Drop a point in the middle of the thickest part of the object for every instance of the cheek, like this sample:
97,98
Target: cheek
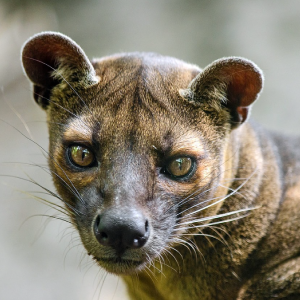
79,180
197,198
76,178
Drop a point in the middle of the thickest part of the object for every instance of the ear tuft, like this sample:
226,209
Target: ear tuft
51,57
233,83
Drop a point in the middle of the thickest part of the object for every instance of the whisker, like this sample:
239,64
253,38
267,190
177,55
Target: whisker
18,115
65,184
102,284
49,171
50,204
189,197
151,274
184,243
214,229
223,198
197,204
205,235
173,256
218,216
72,209
231,189
115,292
50,157
47,216
220,222
161,264
183,201
152,264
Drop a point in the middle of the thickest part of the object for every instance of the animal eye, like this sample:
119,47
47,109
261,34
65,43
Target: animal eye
180,167
81,156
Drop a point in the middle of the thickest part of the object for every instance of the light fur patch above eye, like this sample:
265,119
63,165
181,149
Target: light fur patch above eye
78,130
189,144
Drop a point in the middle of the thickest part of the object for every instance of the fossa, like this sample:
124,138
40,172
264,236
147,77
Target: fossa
163,176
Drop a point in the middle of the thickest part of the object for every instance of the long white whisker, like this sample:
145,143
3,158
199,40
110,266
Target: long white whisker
205,235
224,198
218,216
47,190
189,197
215,223
50,156
48,171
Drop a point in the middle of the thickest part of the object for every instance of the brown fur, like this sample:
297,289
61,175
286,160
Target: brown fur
229,230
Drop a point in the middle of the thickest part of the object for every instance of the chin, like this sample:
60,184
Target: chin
120,266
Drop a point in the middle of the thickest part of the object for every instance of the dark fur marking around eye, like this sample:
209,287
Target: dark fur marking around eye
95,136
167,142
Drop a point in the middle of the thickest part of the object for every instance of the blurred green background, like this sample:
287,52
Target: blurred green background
44,260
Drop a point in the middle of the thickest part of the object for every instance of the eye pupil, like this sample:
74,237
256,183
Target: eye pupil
84,154
81,156
180,167
179,161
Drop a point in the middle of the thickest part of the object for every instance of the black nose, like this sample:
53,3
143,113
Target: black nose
121,230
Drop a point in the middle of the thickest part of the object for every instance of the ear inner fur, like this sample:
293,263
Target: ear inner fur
234,83
49,58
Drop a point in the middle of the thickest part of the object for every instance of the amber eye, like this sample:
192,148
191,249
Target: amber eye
81,156
180,167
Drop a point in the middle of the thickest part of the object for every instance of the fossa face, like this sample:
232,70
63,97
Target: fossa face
138,144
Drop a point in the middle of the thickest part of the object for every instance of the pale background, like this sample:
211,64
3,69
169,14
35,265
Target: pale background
46,261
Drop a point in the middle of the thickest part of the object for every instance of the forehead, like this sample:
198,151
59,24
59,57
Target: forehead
149,67
162,133
137,102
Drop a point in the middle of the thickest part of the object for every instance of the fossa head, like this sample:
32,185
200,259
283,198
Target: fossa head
138,143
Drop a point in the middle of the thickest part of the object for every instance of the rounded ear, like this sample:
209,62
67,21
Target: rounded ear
49,58
233,83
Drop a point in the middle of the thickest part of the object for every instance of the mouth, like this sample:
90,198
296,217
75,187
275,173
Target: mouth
118,265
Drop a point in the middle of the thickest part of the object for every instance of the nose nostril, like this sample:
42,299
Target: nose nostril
103,236
100,232
97,222
146,226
